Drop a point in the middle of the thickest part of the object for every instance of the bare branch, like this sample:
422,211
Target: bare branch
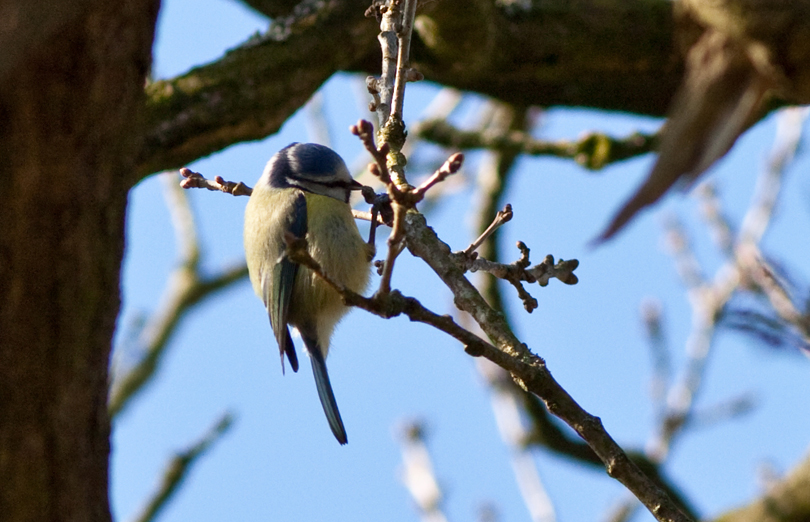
530,371
507,409
179,468
745,268
382,88
679,245
732,408
512,355
652,318
196,180
248,93
395,247
251,90
502,217
364,130
396,25
404,72
237,188
185,288
366,216
418,475
448,168
401,198
789,131
759,272
719,224
504,392
519,271
593,151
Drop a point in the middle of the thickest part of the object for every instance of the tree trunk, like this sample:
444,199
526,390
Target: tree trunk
69,108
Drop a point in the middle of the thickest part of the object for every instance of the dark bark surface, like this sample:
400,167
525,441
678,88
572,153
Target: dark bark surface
77,131
67,106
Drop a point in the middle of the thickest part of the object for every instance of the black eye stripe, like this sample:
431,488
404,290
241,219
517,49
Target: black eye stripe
336,183
293,180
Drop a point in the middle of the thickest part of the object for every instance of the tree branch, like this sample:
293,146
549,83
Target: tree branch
418,475
185,288
579,57
531,372
593,151
253,89
179,468
512,355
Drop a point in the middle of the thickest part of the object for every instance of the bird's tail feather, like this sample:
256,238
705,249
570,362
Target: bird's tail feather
288,348
325,393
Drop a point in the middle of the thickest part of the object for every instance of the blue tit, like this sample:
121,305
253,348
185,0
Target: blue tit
304,191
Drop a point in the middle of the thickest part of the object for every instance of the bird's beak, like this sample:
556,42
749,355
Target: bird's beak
356,185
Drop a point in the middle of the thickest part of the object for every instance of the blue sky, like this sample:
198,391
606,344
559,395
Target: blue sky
280,462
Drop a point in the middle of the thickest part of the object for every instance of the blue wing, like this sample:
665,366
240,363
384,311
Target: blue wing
283,277
325,393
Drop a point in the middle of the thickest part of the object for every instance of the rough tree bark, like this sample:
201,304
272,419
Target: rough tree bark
617,56
76,132
68,101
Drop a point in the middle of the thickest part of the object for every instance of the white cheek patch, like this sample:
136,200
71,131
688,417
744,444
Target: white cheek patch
292,159
268,171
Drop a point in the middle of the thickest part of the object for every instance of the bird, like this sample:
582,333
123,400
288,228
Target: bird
740,54
304,192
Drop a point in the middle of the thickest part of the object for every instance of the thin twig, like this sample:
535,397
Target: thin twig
652,318
365,131
400,199
760,273
197,180
185,288
448,168
593,151
732,408
502,217
395,247
179,468
507,410
418,475
540,273
396,25
512,355
404,72
382,88
530,370
789,130
719,224
745,267
366,216
506,396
